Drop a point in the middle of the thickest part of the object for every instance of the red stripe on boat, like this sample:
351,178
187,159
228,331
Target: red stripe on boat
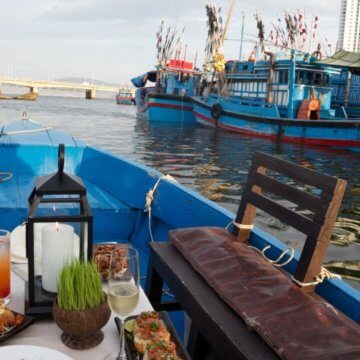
205,118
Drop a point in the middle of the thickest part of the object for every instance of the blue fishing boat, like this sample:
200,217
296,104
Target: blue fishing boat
176,81
282,96
170,100
134,204
285,98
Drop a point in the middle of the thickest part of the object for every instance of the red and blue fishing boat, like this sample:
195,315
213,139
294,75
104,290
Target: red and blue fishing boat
284,98
176,82
281,96
138,206
170,99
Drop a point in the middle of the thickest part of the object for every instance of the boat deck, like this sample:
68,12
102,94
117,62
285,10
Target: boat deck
106,207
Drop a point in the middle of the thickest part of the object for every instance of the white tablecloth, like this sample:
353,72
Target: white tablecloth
46,333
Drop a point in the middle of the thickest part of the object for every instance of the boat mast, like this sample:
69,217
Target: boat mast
242,36
290,112
227,22
311,34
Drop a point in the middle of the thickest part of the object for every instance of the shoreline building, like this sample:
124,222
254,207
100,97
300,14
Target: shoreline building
349,28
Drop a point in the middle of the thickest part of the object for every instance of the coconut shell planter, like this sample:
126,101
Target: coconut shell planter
81,308
82,328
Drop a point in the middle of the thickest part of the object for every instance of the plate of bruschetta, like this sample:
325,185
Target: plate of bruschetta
151,336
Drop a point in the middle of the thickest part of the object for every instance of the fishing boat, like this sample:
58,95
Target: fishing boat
282,96
170,99
125,97
176,81
282,99
132,203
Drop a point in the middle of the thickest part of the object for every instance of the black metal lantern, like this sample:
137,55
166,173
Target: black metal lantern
60,223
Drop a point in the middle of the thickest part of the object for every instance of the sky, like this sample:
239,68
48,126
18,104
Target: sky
114,40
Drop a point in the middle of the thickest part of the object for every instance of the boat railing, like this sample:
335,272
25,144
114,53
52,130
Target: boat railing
251,102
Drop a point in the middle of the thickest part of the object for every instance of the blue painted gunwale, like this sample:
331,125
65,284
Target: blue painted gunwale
127,182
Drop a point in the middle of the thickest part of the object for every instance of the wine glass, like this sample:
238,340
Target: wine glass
123,288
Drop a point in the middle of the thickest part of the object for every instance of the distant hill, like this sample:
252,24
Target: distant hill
90,81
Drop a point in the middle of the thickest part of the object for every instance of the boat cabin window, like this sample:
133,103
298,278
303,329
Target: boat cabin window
311,78
283,77
300,77
318,78
326,80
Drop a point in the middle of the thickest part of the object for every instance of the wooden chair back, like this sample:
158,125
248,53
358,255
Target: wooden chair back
324,207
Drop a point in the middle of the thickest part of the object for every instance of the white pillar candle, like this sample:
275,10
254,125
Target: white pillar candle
57,248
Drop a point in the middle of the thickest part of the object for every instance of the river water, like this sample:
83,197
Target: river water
212,162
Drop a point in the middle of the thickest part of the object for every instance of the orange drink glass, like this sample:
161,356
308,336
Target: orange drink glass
5,266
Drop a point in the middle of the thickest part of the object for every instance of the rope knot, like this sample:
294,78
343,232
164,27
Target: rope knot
150,198
323,275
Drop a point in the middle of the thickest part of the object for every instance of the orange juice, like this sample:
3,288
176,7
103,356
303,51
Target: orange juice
4,266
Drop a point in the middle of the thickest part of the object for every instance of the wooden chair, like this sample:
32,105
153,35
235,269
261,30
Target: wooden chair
220,281
324,207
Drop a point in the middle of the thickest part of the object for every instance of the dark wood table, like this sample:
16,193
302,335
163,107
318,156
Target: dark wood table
216,330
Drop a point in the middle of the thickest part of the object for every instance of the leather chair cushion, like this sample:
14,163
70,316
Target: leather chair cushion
295,324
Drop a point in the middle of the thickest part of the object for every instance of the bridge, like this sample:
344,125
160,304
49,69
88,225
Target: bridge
34,85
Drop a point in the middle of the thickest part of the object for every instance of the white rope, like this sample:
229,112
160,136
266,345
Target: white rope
262,252
150,197
239,226
275,262
8,176
25,131
324,274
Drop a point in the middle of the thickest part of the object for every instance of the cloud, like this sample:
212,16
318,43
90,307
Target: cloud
116,38
135,11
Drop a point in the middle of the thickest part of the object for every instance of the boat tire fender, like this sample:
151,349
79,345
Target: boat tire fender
216,112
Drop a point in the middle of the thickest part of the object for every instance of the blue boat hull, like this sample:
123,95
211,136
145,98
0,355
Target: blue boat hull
335,133
117,190
167,108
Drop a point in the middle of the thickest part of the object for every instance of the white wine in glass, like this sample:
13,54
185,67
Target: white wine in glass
123,288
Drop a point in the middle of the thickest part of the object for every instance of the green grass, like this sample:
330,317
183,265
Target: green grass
79,286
